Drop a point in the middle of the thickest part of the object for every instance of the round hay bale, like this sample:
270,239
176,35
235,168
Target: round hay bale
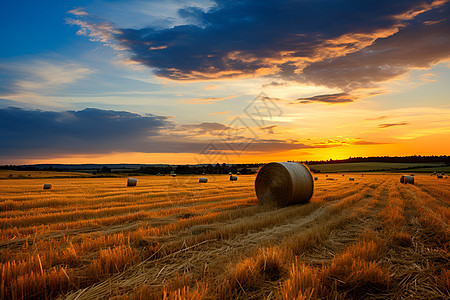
351,179
326,175
284,183
316,178
343,175
203,180
233,178
173,175
230,173
238,173
131,182
407,179
440,176
47,186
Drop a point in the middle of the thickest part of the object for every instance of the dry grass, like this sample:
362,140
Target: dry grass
90,238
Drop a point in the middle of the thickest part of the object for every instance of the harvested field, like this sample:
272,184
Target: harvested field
175,238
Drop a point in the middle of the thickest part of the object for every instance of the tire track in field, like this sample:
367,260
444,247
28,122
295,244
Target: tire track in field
414,266
204,254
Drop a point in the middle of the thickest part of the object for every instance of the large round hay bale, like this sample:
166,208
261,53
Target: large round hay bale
233,178
203,180
47,186
407,179
284,183
316,178
131,182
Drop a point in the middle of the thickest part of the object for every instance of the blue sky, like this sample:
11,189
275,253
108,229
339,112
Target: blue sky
338,71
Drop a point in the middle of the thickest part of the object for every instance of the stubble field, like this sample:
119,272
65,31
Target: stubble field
175,238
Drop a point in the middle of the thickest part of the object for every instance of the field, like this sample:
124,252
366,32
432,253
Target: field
381,166
174,238
11,174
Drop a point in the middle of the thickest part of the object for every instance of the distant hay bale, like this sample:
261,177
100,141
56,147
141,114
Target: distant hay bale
343,175
131,182
230,173
238,173
440,176
203,180
47,186
351,179
173,175
284,183
407,179
326,175
233,178
316,178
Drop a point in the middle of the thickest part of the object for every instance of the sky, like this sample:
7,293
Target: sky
114,81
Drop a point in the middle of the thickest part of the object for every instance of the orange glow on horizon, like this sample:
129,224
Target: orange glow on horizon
438,144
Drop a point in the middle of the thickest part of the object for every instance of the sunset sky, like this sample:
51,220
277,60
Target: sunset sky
222,81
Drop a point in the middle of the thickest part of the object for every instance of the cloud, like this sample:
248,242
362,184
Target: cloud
205,100
386,125
248,38
365,143
220,112
34,80
43,133
213,128
269,129
376,118
414,46
330,98
97,29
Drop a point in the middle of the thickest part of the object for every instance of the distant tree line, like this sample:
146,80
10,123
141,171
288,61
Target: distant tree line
389,159
200,169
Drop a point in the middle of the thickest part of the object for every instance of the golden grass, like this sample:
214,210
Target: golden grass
89,231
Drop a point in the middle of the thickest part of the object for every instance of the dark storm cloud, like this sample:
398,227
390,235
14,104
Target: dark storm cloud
330,98
235,38
415,46
47,134
87,131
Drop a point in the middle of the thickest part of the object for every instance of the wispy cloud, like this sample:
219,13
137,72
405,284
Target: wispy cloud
386,125
376,118
220,112
35,81
205,100
329,99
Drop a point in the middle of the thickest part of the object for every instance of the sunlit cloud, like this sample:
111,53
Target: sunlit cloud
205,100
220,112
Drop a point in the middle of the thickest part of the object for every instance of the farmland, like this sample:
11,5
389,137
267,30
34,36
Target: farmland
174,238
